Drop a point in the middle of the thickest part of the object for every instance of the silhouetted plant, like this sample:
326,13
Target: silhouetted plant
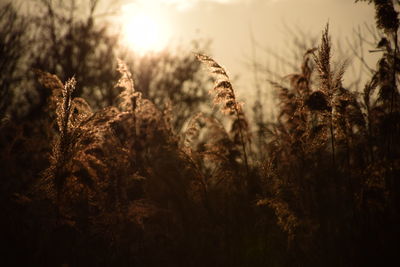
123,185
13,46
224,95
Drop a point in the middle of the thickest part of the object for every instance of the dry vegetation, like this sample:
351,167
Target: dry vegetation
131,184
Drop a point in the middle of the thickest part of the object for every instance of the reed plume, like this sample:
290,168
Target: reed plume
224,95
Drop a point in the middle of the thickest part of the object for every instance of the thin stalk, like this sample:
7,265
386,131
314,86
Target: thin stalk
396,47
332,143
392,182
243,144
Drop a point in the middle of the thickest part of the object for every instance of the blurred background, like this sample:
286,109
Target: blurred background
300,168
255,40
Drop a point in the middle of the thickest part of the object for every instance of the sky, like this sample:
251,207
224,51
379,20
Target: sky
231,23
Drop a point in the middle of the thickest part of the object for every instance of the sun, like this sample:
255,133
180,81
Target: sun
145,32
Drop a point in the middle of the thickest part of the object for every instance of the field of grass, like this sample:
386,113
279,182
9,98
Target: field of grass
148,178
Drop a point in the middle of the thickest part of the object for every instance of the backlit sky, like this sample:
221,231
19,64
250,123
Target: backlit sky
228,22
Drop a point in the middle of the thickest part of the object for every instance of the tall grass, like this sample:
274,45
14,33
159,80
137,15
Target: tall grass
121,186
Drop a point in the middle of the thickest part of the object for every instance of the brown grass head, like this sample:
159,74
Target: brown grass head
224,95
129,98
322,59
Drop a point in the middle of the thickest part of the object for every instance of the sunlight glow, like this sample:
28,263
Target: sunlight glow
144,31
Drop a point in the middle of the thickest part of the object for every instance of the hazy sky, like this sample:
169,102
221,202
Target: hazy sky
228,22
